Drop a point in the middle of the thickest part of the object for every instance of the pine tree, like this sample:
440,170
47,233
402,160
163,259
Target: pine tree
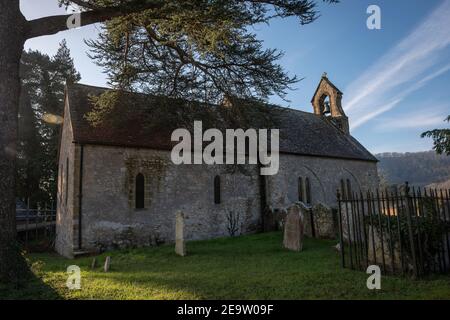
43,84
29,151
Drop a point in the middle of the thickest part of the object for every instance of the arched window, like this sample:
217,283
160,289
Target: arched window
346,189
343,190
217,190
349,189
308,191
301,190
140,191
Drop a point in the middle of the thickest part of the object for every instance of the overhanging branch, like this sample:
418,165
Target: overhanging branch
54,24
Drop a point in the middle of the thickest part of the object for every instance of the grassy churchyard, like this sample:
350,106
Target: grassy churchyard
248,267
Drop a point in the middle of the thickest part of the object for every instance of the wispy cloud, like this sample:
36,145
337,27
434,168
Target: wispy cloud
418,120
406,68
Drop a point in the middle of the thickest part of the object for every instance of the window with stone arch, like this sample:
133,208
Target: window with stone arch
140,191
346,189
217,195
349,189
304,190
308,191
301,190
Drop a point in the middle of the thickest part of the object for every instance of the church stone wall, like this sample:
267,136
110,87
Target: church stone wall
110,219
65,209
324,174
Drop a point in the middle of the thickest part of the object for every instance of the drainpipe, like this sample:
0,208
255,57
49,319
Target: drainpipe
80,199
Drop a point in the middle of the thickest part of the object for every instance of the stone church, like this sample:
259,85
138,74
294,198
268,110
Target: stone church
117,186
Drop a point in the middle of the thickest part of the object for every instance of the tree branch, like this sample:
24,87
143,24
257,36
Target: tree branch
54,24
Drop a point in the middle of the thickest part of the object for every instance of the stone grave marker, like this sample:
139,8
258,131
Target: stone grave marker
180,245
107,264
293,229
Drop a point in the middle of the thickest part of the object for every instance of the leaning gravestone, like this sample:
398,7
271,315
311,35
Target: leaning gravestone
107,266
180,245
293,229
94,263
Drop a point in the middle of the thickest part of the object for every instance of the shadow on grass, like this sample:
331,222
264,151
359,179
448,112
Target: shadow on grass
254,267
31,289
28,286
250,267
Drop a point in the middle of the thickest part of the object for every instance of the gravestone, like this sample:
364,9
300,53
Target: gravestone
293,229
379,251
307,219
323,222
94,263
107,264
180,245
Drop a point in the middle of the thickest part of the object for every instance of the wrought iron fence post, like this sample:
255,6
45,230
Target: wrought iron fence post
381,229
27,217
36,221
364,226
410,230
341,236
53,218
45,220
313,228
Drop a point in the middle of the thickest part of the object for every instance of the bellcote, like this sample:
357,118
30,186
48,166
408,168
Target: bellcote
327,102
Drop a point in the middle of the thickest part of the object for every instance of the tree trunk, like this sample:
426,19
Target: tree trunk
12,25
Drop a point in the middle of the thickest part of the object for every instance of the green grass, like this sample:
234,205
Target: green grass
250,267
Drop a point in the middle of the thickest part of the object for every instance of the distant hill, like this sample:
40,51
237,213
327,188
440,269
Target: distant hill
418,168
440,185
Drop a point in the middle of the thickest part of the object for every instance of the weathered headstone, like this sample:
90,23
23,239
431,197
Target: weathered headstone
293,229
180,245
307,219
347,221
94,263
323,222
377,248
107,264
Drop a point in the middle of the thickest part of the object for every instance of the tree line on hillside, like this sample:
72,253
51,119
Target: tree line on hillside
419,168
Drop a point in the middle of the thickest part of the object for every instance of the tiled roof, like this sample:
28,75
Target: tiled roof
301,132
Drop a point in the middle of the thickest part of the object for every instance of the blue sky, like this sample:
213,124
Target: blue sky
396,81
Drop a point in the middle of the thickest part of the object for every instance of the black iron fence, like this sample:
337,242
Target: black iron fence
36,226
403,231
